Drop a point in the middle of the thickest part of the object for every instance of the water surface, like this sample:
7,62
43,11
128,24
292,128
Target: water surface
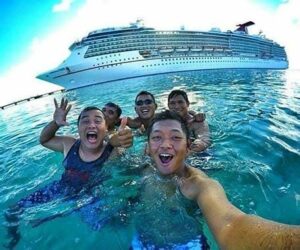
254,121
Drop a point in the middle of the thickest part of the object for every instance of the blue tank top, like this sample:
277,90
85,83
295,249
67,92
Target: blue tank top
79,173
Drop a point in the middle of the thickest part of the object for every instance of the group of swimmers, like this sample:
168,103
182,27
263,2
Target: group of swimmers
169,135
145,107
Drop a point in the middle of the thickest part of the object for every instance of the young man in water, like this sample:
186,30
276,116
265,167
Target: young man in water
178,102
83,159
233,229
145,107
169,216
112,114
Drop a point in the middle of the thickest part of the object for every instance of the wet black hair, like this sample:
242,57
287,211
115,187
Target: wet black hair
177,92
168,115
89,108
143,92
116,106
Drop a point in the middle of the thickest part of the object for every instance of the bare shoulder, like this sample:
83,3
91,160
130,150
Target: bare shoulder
195,172
68,142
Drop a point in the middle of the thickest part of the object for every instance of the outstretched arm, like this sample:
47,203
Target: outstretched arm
133,122
48,136
232,228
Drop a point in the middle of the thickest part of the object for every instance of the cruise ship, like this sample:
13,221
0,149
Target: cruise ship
119,53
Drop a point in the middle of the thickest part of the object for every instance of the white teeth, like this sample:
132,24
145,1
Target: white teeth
91,133
165,155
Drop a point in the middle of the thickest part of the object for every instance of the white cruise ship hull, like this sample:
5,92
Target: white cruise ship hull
94,71
119,53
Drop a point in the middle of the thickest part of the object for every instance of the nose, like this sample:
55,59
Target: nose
177,105
92,124
166,143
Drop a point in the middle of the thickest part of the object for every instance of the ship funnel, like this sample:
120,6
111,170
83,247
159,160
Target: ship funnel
244,27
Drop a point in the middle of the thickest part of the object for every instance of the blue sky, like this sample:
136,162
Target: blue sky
21,20
35,35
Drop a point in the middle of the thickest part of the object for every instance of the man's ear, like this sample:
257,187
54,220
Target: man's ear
155,106
147,150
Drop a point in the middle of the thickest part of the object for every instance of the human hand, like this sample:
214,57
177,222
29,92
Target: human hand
61,112
141,130
199,117
198,145
124,134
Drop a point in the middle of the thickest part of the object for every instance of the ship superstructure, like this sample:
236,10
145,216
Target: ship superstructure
119,53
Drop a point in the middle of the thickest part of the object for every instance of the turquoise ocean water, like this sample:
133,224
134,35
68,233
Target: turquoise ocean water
254,118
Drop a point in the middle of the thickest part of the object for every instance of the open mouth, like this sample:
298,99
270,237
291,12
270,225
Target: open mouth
165,158
145,111
91,137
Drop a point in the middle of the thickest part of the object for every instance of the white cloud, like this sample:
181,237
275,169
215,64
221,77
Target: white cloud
281,25
64,5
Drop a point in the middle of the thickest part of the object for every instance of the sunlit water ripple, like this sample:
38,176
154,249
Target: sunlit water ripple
254,120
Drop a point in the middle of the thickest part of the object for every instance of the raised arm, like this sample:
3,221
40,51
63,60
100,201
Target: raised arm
48,137
232,228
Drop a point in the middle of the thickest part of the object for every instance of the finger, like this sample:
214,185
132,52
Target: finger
125,139
65,103
61,103
125,132
68,109
55,103
123,123
126,143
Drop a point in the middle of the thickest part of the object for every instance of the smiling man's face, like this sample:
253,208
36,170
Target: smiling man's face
92,128
168,147
145,107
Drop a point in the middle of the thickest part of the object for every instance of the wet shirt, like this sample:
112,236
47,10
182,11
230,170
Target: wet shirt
79,173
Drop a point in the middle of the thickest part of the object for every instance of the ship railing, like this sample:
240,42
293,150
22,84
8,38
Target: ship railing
166,50
182,49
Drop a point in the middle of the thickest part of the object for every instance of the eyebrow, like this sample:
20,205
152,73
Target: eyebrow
86,116
172,130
